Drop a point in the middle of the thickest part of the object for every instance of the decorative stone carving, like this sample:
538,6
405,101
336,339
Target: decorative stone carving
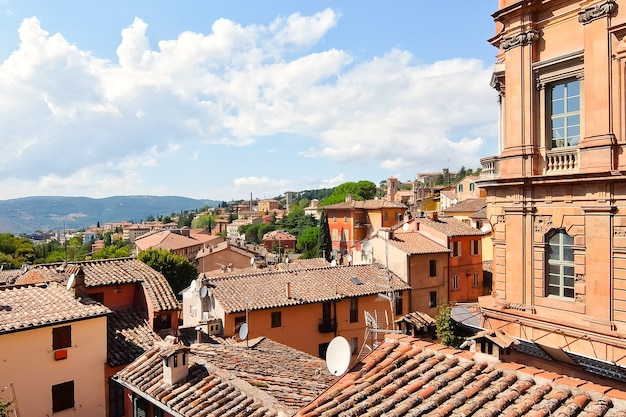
501,218
521,39
579,277
598,11
543,224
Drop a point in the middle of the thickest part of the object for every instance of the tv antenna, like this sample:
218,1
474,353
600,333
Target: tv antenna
338,356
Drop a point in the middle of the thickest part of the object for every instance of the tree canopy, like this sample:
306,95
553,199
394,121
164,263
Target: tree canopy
362,190
177,270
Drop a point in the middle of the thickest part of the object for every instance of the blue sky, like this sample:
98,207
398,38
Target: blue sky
220,99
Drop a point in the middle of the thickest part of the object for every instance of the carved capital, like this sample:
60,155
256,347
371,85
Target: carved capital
543,224
604,9
521,39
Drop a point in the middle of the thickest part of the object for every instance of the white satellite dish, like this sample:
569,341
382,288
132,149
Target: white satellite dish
338,356
252,260
193,285
405,227
71,281
286,259
204,291
243,331
333,262
366,246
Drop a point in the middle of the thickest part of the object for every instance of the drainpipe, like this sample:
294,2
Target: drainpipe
335,314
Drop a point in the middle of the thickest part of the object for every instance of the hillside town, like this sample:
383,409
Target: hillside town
495,292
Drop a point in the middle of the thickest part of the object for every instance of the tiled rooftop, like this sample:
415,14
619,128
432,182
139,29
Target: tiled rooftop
109,272
265,379
469,205
450,226
409,377
414,242
24,307
278,235
267,289
165,239
128,336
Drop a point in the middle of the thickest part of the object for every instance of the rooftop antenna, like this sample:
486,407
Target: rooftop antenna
338,356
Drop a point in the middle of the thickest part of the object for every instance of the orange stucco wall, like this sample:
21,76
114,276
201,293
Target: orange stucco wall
300,324
27,360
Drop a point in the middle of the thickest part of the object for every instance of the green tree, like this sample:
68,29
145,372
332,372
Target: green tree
112,252
324,242
177,270
5,408
206,221
448,331
307,242
362,190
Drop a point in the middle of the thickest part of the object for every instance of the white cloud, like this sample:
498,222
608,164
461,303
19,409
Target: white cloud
332,182
70,119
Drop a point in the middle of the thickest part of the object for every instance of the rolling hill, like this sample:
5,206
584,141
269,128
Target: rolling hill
29,214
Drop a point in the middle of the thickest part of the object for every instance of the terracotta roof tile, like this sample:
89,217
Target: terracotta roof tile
470,205
128,336
404,377
414,242
24,307
449,226
266,379
109,272
268,289
165,239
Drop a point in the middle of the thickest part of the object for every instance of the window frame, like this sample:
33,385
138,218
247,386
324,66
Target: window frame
432,268
565,115
565,250
61,337
354,310
475,247
277,319
456,249
63,396
455,282
432,301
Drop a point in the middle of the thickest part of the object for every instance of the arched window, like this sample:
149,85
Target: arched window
560,264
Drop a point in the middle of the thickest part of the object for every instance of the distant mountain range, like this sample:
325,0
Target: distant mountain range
29,214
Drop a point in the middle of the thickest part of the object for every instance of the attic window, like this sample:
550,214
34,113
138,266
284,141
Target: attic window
356,281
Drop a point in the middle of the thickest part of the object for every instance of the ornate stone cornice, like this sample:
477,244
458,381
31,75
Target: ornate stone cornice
604,9
521,39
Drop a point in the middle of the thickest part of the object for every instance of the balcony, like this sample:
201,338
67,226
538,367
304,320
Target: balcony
327,326
561,160
490,167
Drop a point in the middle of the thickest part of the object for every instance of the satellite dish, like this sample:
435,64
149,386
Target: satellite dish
193,286
243,331
286,259
333,262
367,246
338,356
71,281
405,227
252,260
204,291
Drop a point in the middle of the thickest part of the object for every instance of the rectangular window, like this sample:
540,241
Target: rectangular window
321,350
345,216
456,248
472,186
476,276
276,319
354,310
354,345
433,299
475,247
466,221
398,299
565,114
455,282
460,188
62,396
334,216
61,337
386,216
432,268
175,360
239,321
335,234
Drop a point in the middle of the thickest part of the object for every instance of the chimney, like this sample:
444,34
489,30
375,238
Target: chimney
175,366
288,290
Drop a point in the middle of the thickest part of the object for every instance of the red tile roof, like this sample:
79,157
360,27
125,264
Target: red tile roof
469,205
23,307
267,289
110,272
165,239
414,242
265,379
449,226
409,377
129,335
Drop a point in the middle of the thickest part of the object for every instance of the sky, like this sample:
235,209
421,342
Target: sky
223,99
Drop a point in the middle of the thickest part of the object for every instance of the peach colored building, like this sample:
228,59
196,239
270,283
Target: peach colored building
299,307
556,192
222,257
279,238
353,220
53,349
267,206
177,242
